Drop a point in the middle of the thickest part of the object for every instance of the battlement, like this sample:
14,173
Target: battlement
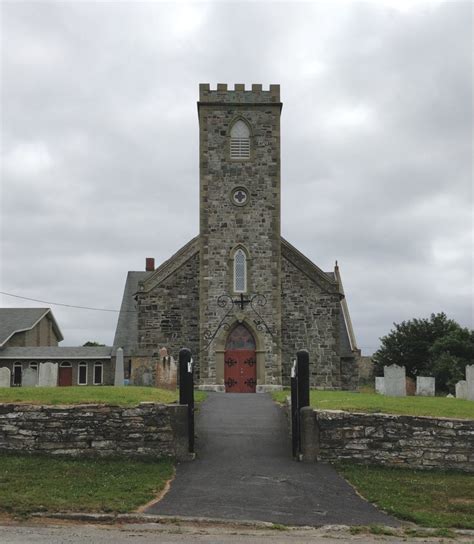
239,94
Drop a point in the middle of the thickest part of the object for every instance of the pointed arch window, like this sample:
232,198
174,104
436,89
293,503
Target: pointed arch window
240,271
240,141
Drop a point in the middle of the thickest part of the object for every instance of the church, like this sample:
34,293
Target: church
238,295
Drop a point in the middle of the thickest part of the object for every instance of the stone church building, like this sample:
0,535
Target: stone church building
240,296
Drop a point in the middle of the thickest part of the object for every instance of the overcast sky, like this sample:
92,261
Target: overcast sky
100,146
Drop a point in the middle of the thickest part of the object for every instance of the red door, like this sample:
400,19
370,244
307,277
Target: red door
240,362
65,375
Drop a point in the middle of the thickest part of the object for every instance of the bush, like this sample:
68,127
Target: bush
437,347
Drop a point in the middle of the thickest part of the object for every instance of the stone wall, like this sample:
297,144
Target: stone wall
148,430
385,439
254,226
310,320
168,316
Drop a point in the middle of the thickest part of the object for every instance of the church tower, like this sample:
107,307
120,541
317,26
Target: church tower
240,244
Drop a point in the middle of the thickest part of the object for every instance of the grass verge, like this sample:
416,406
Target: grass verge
118,396
428,498
39,483
371,402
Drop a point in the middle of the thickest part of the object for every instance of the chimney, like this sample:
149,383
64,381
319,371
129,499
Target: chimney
150,264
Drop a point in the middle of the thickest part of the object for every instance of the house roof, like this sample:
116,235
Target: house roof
126,333
14,320
57,352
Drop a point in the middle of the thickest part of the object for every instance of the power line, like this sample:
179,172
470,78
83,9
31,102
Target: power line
66,305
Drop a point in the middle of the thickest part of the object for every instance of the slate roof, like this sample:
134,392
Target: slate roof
57,352
126,333
13,320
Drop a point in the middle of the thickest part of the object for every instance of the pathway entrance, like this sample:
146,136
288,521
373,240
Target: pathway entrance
244,471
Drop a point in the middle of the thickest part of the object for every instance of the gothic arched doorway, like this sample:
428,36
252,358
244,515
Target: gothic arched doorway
240,361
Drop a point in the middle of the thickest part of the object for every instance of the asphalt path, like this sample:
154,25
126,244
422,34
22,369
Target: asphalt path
244,471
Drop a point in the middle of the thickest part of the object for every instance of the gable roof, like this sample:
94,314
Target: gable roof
126,333
326,280
172,264
13,320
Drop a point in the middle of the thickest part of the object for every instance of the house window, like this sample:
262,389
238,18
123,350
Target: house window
34,366
240,141
82,374
17,372
240,271
98,374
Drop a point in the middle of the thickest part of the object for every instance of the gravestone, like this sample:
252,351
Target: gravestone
119,375
379,385
166,371
425,386
29,377
394,381
48,375
5,377
470,381
461,390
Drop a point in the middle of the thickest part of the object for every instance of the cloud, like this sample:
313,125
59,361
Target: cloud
100,146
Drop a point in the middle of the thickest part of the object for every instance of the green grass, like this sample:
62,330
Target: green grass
38,483
121,396
371,402
428,498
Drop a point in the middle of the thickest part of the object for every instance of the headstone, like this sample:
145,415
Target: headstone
48,375
379,385
166,371
29,377
119,375
425,386
394,381
470,381
461,389
5,377
450,396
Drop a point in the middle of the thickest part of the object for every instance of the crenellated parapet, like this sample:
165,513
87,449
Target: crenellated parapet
239,94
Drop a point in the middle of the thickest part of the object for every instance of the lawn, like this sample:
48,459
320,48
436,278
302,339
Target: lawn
37,483
371,402
121,396
429,498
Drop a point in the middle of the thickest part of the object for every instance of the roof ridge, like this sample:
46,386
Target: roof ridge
163,268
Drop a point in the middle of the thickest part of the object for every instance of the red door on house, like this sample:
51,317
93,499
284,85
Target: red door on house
65,375
240,361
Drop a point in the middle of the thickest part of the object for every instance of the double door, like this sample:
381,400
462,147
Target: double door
240,371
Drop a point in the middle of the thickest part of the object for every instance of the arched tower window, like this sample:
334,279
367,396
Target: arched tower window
240,141
240,271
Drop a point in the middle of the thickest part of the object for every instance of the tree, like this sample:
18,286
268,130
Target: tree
437,347
92,343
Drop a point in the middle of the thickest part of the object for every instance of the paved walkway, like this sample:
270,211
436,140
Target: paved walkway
244,471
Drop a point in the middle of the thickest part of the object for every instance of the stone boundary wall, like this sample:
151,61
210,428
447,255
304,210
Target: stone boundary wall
386,439
95,430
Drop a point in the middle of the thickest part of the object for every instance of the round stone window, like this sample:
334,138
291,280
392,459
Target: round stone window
240,196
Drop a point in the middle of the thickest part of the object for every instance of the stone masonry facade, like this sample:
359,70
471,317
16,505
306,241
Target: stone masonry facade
178,302
225,226
93,430
168,311
386,439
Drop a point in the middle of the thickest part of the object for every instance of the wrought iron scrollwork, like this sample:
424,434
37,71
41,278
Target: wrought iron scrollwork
230,362
250,362
259,301
230,382
250,382
227,303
